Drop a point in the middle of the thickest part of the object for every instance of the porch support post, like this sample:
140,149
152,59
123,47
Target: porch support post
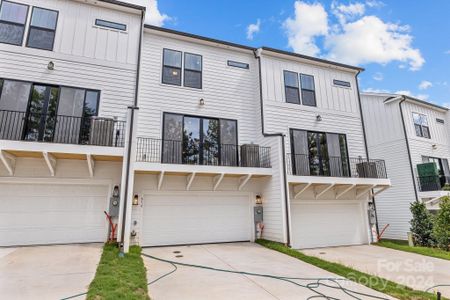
217,180
91,164
50,161
9,161
243,181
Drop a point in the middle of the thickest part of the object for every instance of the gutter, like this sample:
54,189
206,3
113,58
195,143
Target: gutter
257,53
366,147
130,141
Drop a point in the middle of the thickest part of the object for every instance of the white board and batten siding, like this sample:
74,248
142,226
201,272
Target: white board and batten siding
338,106
85,55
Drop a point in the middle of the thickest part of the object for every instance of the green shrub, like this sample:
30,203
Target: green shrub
421,224
441,230
446,187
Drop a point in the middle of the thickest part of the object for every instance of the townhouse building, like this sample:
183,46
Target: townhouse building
193,140
412,137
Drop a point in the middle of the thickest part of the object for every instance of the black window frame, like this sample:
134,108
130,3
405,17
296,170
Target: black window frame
164,66
110,26
420,129
14,23
342,83
291,87
42,28
237,64
191,70
308,90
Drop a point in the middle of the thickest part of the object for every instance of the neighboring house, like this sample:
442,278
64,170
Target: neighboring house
412,136
217,129
67,74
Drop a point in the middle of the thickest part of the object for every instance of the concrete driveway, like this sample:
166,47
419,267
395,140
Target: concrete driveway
414,270
47,272
194,283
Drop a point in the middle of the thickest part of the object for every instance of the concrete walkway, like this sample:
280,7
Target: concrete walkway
47,272
414,270
194,283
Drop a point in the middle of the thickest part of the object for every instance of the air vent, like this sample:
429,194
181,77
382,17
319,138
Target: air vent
341,83
440,121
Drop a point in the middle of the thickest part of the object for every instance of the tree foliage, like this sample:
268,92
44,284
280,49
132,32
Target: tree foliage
421,224
441,230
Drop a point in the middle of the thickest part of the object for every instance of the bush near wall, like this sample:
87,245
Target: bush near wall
421,224
441,226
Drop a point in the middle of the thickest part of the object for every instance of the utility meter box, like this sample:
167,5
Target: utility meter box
114,206
258,214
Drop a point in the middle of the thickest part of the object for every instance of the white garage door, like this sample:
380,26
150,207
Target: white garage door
191,218
52,213
327,224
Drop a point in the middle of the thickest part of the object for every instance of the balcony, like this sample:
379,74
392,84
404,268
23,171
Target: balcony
433,183
344,175
51,128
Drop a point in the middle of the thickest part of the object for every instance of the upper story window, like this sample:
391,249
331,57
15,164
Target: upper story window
421,125
171,67
110,25
341,83
173,63
291,88
13,17
42,30
192,70
237,64
308,90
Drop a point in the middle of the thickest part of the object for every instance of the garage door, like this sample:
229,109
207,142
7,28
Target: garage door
189,218
328,224
52,213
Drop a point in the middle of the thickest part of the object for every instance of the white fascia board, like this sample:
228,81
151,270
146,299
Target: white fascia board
213,170
61,148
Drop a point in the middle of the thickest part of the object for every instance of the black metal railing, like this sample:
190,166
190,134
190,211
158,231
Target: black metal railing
179,152
52,128
433,183
333,166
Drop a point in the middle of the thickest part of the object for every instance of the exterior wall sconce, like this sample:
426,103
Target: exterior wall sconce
258,200
115,191
318,118
201,102
51,65
434,146
136,199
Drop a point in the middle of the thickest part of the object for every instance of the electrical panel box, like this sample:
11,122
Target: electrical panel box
372,216
114,206
258,214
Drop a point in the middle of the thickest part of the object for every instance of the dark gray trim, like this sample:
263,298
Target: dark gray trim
366,146
312,58
283,150
411,166
124,4
133,108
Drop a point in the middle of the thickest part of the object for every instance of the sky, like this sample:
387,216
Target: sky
404,45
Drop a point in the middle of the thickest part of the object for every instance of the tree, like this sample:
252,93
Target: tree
441,230
421,224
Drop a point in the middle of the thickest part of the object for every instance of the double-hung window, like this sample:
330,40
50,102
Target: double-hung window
421,125
192,70
291,88
171,67
308,90
42,29
13,17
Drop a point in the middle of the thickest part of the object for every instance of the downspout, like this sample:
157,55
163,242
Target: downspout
407,147
366,146
130,141
257,53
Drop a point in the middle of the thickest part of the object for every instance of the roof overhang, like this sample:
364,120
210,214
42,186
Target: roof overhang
117,5
394,98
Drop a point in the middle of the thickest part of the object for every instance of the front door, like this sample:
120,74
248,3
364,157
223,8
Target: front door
41,115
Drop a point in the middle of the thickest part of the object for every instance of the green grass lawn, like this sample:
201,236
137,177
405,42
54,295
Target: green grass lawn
403,246
119,278
374,282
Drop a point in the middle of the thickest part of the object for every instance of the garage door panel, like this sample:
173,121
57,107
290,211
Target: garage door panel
52,213
329,224
188,218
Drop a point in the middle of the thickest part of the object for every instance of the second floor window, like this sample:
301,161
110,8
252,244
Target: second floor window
421,125
308,90
173,63
13,17
42,30
193,70
171,67
299,89
291,87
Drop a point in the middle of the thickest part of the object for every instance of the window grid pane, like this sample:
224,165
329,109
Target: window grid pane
40,39
171,75
192,62
11,34
44,18
290,79
172,58
307,82
13,12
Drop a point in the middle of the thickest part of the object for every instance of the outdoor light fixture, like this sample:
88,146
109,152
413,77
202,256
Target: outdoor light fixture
434,146
201,102
115,191
136,200
51,66
258,200
318,118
